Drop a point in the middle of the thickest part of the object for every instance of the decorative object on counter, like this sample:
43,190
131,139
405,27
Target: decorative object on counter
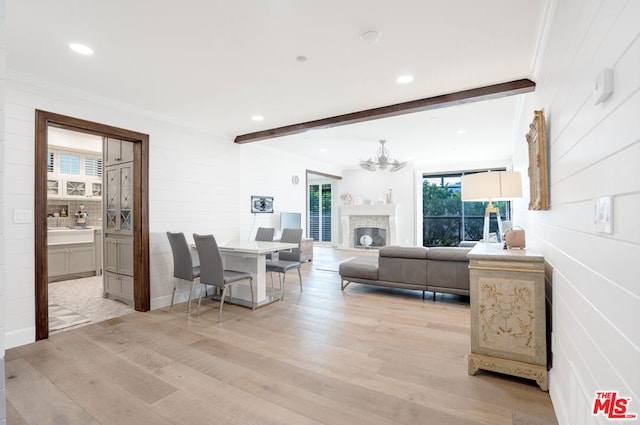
261,204
346,198
388,197
491,186
81,216
514,238
382,161
538,173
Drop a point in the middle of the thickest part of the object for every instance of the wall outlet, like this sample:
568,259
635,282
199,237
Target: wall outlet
602,215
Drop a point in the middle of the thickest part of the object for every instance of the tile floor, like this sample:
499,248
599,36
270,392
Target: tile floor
84,296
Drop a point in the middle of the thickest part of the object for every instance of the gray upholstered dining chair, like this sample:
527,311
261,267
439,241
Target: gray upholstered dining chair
212,271
265,234
184,267
288,260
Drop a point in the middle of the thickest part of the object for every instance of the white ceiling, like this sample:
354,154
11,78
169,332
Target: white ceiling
212,64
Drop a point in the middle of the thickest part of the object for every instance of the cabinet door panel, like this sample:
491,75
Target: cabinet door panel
58,264
127,287
82,260
110,255
112,285
125,256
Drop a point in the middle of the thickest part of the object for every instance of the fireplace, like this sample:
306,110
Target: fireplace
380,220
369,237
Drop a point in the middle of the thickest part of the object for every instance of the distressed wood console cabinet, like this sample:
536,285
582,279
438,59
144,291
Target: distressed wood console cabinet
508,321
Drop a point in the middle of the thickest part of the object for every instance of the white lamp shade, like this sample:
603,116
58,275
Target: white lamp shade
493,185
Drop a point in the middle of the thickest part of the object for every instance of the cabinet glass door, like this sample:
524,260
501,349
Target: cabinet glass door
111,204
53,187
96,189
75,188
126,199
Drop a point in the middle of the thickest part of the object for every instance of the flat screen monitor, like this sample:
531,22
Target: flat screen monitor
290,220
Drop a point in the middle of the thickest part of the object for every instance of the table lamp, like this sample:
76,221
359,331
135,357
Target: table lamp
491,186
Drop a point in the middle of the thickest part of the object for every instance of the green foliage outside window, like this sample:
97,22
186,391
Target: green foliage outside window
447,220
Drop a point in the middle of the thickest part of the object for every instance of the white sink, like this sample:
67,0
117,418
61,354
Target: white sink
64,235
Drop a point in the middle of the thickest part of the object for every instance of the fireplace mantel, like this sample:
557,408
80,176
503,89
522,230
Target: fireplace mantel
348,211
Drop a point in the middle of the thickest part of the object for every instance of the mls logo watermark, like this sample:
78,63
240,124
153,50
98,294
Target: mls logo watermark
611,406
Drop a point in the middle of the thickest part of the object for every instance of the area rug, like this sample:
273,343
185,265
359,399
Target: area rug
61,318
332,267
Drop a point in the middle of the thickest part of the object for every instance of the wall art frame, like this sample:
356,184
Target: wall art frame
538,171
261,204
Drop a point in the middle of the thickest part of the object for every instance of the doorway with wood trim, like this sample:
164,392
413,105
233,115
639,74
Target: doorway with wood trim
140,219
321,207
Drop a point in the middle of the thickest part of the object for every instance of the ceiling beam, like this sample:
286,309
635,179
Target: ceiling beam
452,99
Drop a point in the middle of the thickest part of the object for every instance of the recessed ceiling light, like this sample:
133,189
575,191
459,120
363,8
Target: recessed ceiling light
461,132
301,58
404,79
257,117
323,149
81,48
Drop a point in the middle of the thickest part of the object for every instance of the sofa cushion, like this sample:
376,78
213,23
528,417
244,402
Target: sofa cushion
361,268
446,253
407,265
417,252
448,270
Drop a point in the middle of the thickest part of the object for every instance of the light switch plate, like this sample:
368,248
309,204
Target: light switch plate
22,216
602,215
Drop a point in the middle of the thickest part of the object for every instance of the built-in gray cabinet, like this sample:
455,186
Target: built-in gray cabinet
119,286
118,204
117,222
71,260
118,268
117,151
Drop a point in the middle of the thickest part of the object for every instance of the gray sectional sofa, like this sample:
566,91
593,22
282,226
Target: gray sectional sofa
437,269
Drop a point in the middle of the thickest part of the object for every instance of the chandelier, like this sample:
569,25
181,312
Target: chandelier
382,161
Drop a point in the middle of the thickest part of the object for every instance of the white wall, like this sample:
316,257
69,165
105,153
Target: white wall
268,172
3,279
594,152
198,183
373,185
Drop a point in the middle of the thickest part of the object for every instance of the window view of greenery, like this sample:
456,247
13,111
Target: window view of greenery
320,212
446,219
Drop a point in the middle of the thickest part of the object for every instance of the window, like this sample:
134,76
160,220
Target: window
446,219
50,162
69,163
93,166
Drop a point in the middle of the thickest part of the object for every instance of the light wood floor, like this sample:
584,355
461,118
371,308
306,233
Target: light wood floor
363,356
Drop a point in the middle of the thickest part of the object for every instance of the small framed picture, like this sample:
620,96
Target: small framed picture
261,204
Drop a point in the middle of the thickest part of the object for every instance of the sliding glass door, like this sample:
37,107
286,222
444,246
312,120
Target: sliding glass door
320,196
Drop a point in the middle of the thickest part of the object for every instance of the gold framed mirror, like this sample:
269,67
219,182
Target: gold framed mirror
538,172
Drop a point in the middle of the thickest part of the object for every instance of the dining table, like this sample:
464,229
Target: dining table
251,256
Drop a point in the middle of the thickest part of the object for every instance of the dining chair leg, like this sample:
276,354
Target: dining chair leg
253,302
193,286
224,292
173,294
300,276
284,276
200,298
